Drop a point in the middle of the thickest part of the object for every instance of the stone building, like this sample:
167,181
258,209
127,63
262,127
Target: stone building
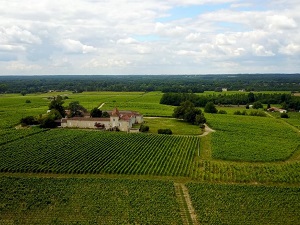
121,120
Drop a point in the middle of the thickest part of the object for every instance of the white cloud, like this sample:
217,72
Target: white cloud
75,36
73,46
290,49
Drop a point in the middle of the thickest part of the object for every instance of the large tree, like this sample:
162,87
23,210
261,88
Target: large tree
76,109
210,108
95,112
188,112
57,104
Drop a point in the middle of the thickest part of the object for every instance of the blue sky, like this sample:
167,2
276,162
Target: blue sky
149,37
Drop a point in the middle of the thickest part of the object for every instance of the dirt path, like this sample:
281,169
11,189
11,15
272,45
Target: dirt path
101,105
207,130
187,211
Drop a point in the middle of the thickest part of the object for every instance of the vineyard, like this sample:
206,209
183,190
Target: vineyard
77,151
235,204
87,201
244,138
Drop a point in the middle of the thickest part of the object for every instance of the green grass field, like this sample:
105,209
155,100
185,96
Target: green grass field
178,127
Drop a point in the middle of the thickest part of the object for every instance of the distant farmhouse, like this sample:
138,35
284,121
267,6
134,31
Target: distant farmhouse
118,120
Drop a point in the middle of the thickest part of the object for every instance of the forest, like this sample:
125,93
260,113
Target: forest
146,83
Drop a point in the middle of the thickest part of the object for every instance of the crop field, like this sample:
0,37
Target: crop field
38,166
9,135
233,204
87,201
77,151
244,138
241,172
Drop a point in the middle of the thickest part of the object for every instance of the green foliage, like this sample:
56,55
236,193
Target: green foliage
77,151
28,120
210,108
235,204
164,131
238,112
27,101
23,93
48,122
188,113
222,112
257,113
251,97
95,112
284,115
87,201
200,119
57,104
105,115
257,105
144,128
76,109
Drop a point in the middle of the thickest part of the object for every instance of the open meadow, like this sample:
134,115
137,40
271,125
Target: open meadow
248,169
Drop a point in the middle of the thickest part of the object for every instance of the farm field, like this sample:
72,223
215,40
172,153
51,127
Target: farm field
236,204
87,201
129,178
100,152
248,138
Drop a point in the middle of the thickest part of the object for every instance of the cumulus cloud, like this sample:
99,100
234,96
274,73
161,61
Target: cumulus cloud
78,36
73,46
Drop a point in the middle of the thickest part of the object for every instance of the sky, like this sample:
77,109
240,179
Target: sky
51,37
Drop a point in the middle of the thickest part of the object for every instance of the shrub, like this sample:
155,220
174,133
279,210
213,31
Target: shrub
29,120
238,112
210,108
284,115
258,113
257,105
27,101
144,128
165,131
222,112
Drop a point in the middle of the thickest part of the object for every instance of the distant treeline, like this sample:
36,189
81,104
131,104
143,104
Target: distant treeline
286,100
146,83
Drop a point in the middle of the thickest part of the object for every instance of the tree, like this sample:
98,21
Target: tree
28,120
76,109
187,112
200,119
57,104
105,115
95,112
23,93
251,97
257,105
210,108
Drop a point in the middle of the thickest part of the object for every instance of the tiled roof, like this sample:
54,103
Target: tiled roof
115,112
